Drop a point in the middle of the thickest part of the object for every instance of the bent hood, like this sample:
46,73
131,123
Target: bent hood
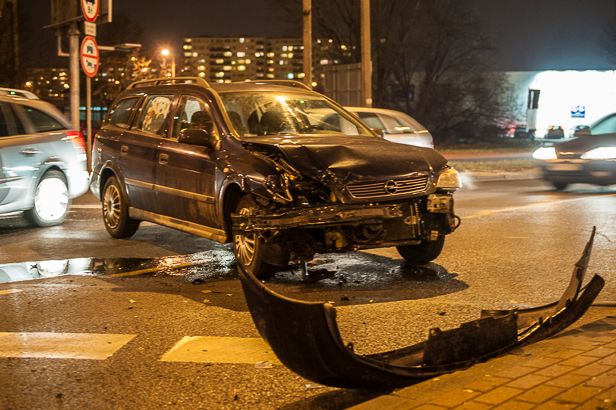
355,158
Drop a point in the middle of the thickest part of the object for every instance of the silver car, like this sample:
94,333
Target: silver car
397,126
42,159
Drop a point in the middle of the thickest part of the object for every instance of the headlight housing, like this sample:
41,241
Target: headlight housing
449,180
545,153
600,153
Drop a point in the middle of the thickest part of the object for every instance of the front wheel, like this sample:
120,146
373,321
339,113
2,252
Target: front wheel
51,200
115,211
423,253
250,249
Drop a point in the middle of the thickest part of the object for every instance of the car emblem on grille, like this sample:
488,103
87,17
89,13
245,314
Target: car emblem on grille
391,187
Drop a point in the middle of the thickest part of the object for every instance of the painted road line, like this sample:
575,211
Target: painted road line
93,346
206,349
156,269
8,291
529,206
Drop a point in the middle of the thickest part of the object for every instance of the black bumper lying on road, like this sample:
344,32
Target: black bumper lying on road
306,339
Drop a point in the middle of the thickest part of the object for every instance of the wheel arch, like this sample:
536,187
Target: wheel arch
231,195
107,172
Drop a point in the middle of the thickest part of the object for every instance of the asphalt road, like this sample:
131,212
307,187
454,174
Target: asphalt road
159,321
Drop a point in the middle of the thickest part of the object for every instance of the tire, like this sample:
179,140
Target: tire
51,200
115,211
249,249
561,186
423,253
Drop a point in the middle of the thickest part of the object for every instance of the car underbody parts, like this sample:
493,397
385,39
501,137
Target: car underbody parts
306,339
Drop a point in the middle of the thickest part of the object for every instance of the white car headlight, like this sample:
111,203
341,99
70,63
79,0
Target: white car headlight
600,153
545,153
449,179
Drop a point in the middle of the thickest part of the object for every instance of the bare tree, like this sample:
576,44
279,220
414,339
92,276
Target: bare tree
430,59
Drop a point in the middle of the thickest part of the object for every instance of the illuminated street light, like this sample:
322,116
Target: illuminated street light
166,52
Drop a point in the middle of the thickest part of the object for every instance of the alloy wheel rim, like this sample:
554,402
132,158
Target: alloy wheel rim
245,244
111,206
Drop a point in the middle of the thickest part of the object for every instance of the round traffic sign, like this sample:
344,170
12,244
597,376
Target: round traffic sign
89,56
90,9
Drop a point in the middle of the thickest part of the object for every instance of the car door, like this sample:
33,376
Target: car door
185,173
138,150
21,152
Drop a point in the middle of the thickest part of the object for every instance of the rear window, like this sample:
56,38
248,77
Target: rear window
43,122
121,112
371,120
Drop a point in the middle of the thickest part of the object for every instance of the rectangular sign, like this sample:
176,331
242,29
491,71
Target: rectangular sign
89,28
578,111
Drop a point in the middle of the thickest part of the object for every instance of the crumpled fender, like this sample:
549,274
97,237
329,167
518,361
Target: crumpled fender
306,339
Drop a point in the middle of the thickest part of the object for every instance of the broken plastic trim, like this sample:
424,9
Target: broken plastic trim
306,339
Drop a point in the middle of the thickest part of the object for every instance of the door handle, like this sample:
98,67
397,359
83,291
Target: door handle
163,159
28,152
124,150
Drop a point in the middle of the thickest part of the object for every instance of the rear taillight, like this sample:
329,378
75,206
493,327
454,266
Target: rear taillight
78,142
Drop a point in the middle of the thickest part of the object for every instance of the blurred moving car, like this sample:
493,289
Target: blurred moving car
555,132
42,159
397,126
590,158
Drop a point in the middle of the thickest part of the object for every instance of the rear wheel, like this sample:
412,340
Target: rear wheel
423,253
250,249
51,200
115,211
560,185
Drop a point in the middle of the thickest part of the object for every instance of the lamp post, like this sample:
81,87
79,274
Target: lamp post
166,52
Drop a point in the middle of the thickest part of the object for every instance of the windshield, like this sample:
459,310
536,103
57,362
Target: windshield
271,113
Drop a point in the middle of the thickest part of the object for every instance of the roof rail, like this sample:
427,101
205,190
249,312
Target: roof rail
168,81
288,83
18,93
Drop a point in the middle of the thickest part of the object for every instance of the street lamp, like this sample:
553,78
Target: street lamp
166,52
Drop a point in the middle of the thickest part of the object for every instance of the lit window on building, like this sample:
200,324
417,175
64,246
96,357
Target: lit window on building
284,55
247,61
202,74
226,68
201,68
324,62
228,54
271,76
271,55
220,61
241,54
220,74
284,48
241,68
290,76
195,54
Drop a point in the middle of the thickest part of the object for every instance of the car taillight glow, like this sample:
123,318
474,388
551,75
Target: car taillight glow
78,142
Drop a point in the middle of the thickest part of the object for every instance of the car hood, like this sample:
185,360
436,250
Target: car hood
586,143
352,159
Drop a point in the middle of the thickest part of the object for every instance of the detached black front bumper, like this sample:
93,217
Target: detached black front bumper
306,339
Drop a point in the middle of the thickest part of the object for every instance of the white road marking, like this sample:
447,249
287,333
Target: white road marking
93,346
7,291
206,349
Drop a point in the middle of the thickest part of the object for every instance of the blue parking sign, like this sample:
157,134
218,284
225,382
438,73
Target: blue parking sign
578,111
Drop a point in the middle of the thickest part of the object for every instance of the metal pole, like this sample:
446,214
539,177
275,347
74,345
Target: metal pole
366,57
73,35
172,66
89,123
307,12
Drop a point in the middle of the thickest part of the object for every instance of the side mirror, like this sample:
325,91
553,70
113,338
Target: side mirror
197,136
379,131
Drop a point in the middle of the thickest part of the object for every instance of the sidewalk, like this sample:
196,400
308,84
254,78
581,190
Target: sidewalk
574,369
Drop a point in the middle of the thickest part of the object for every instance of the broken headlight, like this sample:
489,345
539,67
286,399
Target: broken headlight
449,180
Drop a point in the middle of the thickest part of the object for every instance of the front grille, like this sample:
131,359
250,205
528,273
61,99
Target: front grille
384,189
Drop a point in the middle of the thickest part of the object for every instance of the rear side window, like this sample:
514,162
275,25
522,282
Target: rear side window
120,113
154,113
43,122
607,126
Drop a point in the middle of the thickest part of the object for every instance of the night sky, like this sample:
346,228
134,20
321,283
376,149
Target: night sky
528,34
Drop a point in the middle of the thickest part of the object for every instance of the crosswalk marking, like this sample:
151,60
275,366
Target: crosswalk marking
92,346
206,349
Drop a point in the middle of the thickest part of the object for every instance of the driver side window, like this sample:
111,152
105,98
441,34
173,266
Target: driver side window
193,112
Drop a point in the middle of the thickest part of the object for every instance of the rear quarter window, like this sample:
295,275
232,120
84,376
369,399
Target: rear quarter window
607,126
120,114
43,122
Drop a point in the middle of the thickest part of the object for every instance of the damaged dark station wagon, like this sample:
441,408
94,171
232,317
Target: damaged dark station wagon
278,169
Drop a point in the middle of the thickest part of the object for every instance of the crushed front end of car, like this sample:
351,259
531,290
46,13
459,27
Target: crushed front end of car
306,339
346,194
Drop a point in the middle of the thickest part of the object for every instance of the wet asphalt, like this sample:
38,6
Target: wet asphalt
515,248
